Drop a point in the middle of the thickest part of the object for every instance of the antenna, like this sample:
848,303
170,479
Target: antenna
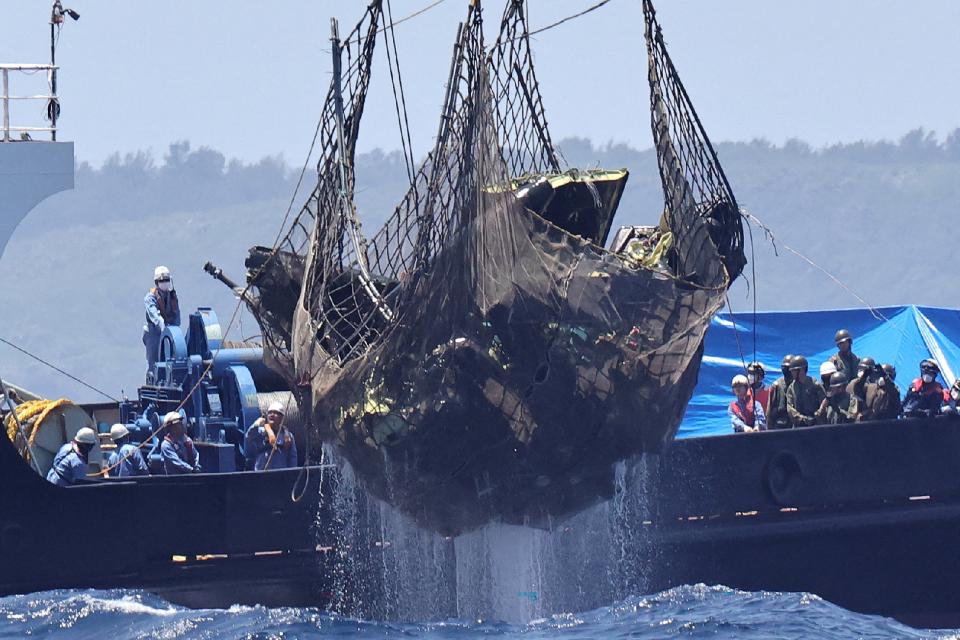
57,14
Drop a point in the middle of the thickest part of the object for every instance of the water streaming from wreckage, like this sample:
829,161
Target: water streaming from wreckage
395,580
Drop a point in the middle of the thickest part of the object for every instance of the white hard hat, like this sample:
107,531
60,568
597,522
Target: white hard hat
118,431
85,436
173,416
739,379
161,273
278,407
828,368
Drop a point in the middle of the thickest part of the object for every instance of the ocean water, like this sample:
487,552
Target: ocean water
686,612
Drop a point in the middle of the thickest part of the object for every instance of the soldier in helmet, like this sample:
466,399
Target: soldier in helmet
760,392
845,360
838,406
925,395
864,378
883,396
804,396
777,416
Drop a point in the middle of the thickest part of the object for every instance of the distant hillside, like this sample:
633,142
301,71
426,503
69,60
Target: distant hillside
880,216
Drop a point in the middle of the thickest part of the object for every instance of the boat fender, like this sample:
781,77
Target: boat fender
783,477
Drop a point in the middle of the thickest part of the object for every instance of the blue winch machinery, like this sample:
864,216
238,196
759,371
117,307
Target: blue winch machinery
223,388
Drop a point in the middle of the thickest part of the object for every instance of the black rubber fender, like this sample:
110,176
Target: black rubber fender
783,478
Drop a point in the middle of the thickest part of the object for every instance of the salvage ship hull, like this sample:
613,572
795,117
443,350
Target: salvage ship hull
205,540
864,515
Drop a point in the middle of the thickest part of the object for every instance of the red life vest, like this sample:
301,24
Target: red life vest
933,389
747,414
761,395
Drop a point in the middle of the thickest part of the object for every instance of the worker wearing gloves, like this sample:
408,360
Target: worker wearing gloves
177,450
268,444
126,460
70,463
162,309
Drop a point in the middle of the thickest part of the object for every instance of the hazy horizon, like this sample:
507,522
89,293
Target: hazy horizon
249,81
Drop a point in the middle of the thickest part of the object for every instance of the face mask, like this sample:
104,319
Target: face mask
881,382
861,373
165,286
751,378
927,378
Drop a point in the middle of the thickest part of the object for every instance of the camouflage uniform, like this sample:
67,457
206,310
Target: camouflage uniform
846,363
803,401
777,416
882,402
840,408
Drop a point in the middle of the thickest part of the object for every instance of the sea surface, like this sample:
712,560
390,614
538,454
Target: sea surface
686,612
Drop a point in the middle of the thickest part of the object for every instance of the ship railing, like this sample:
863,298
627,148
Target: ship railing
52,102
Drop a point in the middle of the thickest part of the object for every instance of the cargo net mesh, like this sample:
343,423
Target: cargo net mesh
699,206
479,339
280,276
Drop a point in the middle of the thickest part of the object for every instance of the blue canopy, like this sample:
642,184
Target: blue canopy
907,335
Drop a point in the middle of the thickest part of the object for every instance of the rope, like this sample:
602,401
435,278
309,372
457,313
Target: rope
568,18
58,369
411,16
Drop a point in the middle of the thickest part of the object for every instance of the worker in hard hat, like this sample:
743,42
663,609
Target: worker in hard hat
70,463
162,310
269,444
925,395
176,449
126,460
746,414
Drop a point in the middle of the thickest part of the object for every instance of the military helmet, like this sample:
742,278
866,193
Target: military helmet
756,367
787,360
930,365
867,363
838,379
798,362
842,335
890,370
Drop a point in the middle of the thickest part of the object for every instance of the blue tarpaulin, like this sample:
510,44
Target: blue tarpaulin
906,336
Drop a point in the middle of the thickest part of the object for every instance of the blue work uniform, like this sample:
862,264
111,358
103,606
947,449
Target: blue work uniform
162,309
256,446
179,456
128,461
68,467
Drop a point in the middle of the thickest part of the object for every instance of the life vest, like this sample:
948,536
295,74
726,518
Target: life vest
935,388
748,414
174,304
761,395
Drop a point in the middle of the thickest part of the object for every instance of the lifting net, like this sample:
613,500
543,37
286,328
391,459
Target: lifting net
475,361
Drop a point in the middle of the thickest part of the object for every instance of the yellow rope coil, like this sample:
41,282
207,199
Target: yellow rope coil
31,415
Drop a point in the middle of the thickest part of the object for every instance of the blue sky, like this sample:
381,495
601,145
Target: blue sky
247,77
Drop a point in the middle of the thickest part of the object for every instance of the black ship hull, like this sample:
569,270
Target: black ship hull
208,540
865,516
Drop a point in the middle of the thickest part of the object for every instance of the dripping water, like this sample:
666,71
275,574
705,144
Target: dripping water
387,568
